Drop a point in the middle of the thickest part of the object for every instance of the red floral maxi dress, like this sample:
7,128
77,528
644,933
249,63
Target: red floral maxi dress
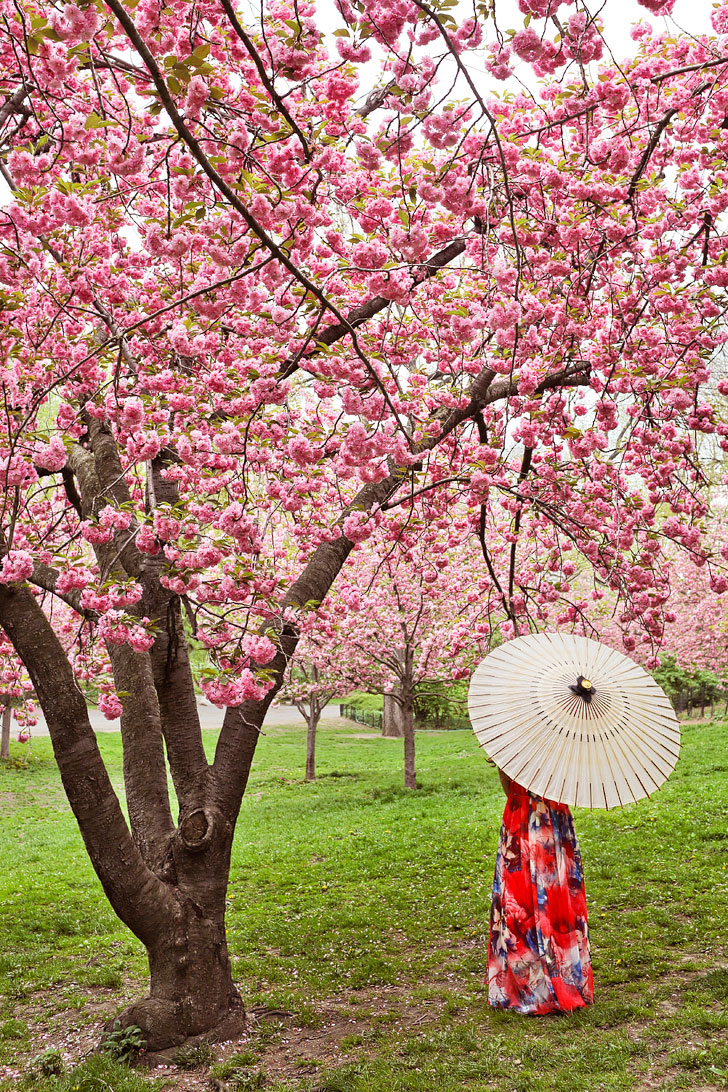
538,955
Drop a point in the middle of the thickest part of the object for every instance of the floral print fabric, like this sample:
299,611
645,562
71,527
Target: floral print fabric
538,955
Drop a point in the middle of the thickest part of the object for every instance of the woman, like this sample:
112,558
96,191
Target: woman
538,955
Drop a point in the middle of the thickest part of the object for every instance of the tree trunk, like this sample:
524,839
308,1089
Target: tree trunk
407,707
191,987
314,715
392,722
168,883
408,724
5,741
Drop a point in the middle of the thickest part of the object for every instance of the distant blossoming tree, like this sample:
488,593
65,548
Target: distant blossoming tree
316,674
415,606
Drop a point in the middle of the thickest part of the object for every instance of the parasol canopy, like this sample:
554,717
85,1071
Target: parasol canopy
573,720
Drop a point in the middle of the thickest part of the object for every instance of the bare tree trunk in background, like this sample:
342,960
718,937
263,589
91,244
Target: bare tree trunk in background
314,715
392,722
398,720
404,701
407,708
5,740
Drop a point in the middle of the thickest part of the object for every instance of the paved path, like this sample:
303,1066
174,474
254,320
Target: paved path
210,717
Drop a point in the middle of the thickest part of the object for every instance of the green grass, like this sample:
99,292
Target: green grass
362,910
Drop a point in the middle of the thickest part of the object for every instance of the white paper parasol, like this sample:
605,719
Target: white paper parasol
573,720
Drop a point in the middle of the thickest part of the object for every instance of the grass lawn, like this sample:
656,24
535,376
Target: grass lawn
358,920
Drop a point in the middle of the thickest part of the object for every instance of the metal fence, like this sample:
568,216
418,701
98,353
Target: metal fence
373,718
370,717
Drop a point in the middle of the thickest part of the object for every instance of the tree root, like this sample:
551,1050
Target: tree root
163,1029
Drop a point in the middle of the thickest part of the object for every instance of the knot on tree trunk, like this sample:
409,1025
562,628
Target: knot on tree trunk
196,830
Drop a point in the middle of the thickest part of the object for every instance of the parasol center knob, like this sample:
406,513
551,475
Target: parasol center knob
584,688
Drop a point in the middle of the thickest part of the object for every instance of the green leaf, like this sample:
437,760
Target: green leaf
95,121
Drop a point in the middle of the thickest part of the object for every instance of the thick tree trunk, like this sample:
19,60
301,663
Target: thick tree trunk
168,883
5,740
191,987
392,722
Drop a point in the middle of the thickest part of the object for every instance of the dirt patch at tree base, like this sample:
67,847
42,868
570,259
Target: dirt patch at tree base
286,1047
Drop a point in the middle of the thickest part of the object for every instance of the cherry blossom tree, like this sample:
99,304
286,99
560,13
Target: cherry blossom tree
697,625
16,695
416,605
316,674
247,300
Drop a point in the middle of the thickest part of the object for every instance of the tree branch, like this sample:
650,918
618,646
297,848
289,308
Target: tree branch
14,103
170,660
688,68
101,480
279,103
374,306
45,577
136,894
145,771
217,180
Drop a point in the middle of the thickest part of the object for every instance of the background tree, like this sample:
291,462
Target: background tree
16,695
316,675
245,300
697,623
412,607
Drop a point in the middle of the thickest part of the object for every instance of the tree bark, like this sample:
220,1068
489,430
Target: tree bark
5,741
407,700
314,715
191,984
392,720
408,724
